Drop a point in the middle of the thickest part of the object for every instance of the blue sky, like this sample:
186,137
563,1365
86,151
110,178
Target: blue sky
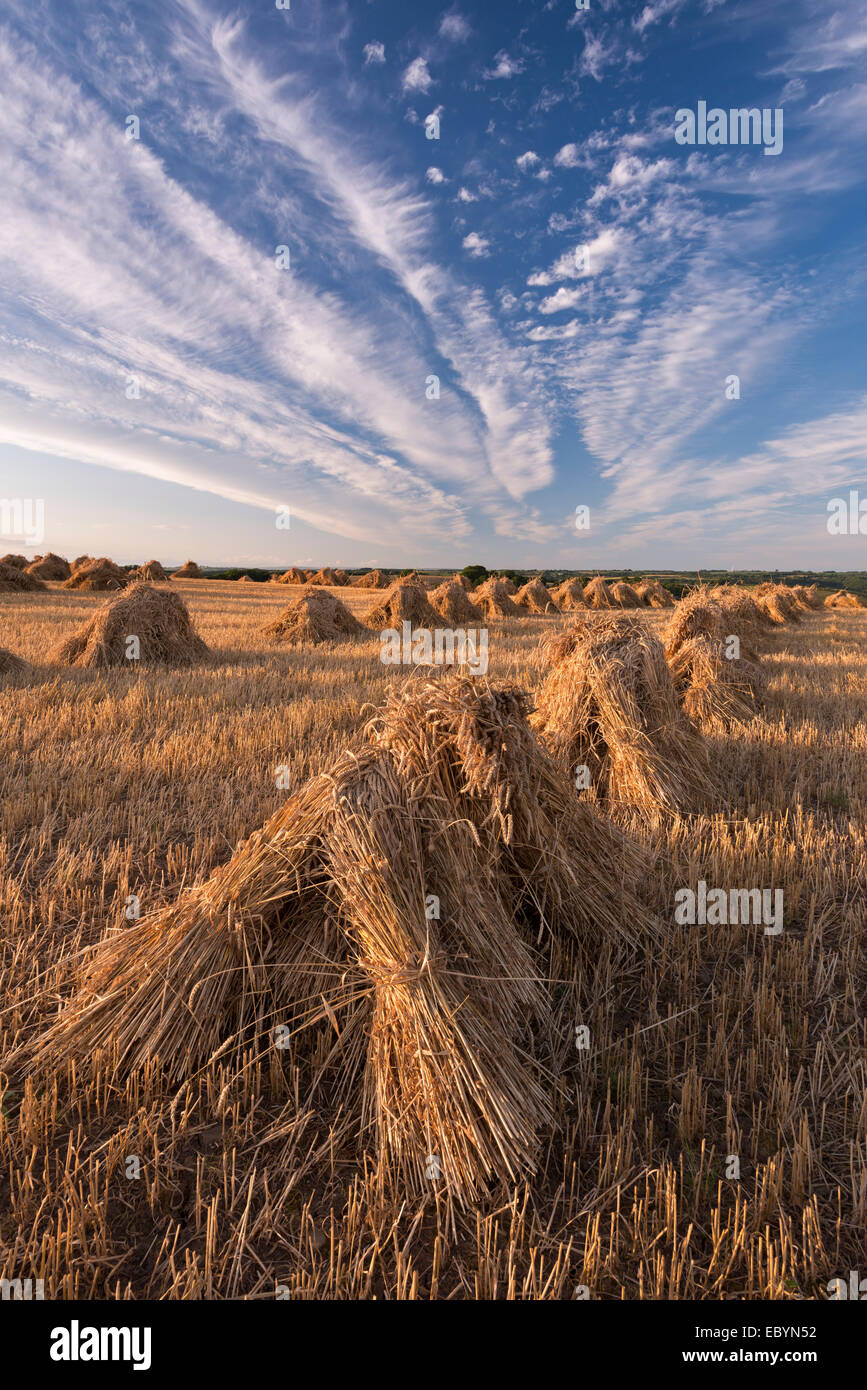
150,266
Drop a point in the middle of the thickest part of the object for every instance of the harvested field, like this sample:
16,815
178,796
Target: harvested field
705,1041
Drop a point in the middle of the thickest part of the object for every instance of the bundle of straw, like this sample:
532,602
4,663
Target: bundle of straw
50,566
624,595
533,597
374,579
778,602
569,595
16,581
843,599
493,599
404,602
158,618
609,703
713,679
434,1030
453,604
152,571
315,616
97,576
812,596
654,595
10,664
597,594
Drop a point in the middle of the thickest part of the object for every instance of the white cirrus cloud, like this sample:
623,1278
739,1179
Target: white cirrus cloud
838,42
374,52
255,383
655,12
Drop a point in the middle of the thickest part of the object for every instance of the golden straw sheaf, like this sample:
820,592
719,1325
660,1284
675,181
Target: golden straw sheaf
445,1027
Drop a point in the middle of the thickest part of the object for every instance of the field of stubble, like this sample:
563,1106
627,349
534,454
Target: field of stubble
728,1043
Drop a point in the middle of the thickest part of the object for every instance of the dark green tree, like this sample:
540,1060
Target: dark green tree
476,574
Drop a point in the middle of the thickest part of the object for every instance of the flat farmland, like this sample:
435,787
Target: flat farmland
727,1044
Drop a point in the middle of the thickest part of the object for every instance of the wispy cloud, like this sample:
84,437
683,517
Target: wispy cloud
455,27
552,291
416,77
476,245
504,67
250,380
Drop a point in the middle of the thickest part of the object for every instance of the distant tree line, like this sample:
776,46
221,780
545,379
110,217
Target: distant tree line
677,581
